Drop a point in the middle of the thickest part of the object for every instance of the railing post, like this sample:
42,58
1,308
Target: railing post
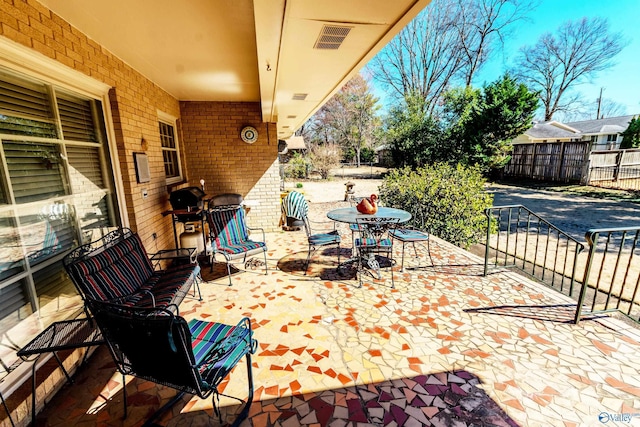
592,239
487,212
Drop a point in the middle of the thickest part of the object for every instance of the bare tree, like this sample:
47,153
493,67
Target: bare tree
423,58
556,63
610,108
485,25
348,118
446,43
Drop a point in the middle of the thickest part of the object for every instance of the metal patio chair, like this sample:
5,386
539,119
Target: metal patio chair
229,237
412,235
295,206
374,241
192,357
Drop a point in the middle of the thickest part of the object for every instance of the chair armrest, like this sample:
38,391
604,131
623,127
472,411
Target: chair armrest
258,229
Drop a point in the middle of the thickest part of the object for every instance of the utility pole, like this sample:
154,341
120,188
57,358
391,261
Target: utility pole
599,105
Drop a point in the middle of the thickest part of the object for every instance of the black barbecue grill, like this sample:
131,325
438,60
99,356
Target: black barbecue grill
187,199
187,205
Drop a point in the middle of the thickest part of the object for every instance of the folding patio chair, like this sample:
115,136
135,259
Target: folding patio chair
159,346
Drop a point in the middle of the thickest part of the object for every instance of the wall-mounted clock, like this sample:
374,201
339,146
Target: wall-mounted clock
249,134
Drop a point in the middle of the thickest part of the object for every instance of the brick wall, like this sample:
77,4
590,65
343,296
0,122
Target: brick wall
134,102
217,154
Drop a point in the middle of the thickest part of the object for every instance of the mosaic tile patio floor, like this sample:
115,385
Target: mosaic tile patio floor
446,347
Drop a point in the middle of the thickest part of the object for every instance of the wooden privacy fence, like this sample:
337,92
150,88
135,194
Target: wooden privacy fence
615,169
549,161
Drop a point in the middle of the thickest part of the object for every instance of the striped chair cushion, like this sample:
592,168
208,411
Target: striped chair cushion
229,227
168,287
322,239
372,243
205,335
242,247
209,336
409,235
116,272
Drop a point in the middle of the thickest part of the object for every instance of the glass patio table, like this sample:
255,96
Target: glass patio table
351,215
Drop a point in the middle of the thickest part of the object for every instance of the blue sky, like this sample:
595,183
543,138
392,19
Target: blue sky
621,82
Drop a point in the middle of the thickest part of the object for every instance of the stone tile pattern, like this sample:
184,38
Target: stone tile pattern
447,346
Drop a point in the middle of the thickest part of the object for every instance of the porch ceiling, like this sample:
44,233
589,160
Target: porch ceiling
242,50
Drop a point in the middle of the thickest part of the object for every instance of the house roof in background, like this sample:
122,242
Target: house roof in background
296,143
290,55
551,130
575,130
603,126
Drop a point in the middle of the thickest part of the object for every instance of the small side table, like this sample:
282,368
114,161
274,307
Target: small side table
64,335
186,254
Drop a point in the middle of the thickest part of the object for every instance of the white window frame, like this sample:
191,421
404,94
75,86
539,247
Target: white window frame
172,121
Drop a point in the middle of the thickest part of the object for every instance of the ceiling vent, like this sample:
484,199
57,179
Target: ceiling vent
291,117
331,37
299,96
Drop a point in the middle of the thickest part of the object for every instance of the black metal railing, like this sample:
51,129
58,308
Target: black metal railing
519,238
612,272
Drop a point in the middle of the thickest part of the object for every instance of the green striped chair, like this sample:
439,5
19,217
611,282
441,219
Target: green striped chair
192,357
229,236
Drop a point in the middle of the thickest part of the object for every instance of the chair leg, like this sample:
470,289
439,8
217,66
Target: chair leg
124,395
306,264
245,411
266,272
229,272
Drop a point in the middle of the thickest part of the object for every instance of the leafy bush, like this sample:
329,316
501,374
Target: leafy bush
367,155
297,167
448,201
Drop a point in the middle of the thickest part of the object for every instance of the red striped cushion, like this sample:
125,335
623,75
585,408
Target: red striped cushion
115,272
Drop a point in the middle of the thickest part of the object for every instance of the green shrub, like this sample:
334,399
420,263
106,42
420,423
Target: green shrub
299,185
448,201
297,167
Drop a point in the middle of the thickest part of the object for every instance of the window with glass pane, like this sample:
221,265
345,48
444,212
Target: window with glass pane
55,192
25,107
76,117
170,152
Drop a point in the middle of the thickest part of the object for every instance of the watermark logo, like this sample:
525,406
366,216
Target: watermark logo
624,417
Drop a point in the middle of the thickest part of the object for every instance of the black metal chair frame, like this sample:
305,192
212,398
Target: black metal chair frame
157,345
422,238
378,229
320,240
